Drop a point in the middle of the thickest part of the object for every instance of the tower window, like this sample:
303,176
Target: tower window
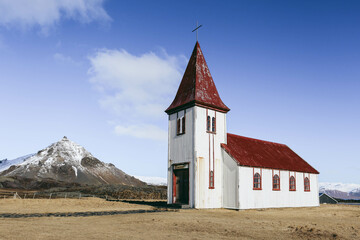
208,124
180,126
211,179
213,127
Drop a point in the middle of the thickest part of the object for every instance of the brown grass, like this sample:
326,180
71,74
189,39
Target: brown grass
324,222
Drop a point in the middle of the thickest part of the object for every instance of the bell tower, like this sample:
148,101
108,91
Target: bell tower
197,127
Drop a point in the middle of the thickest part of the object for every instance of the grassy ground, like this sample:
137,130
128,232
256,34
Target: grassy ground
324,222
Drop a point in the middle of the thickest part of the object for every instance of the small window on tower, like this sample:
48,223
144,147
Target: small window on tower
180,125
183,124
211,179
208,124
213,127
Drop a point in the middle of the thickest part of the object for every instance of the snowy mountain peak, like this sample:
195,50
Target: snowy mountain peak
67,161
64,150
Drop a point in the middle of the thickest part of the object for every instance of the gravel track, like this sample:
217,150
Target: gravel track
80,214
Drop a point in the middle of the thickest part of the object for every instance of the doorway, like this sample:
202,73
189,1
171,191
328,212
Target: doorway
181,186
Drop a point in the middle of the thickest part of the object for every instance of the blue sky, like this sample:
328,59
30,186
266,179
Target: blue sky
102,73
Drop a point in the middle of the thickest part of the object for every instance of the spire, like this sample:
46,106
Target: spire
197,86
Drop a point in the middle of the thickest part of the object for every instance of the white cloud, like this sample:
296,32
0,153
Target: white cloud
144,131
65,59
137,89
46,13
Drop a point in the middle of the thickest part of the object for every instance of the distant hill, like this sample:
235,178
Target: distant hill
341,190
156,181
64,163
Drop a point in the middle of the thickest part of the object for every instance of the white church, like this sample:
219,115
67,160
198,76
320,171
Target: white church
210,168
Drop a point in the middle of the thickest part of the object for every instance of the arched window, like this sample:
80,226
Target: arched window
292,184
306,184
208,124
257,181
213,129
276,182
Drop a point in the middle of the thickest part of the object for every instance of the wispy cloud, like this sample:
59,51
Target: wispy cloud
47,13
136,89
65,59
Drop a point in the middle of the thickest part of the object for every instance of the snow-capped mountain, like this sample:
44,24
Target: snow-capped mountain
159,181
66,161
341,190
5,163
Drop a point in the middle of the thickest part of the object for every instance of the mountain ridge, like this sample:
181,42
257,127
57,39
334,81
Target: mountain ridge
67,162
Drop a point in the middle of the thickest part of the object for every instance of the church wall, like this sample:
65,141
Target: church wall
181,149
268,198
208,157
230,182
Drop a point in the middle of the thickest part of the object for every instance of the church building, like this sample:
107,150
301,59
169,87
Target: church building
210,168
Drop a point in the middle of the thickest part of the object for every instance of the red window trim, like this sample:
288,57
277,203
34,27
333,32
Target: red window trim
260,179
308,178
273,176
210,121
294,176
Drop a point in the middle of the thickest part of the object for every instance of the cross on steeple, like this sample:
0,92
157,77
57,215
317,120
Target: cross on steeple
196,29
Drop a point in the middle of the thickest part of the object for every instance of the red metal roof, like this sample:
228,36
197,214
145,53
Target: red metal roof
258,153
197,86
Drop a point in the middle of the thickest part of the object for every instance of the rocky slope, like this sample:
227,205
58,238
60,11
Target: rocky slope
68,163
6,163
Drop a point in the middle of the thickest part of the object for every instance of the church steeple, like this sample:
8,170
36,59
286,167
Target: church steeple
197,86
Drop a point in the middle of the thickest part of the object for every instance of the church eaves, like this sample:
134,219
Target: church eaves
197,87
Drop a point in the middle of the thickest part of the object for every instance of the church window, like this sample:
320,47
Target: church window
208,124
180,125
211,179
292,183
257,181
183,124
276,182
213,127
306,184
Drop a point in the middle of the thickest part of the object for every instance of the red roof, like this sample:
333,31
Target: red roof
197,86
258,153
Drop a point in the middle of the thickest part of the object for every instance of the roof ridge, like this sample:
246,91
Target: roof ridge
258,140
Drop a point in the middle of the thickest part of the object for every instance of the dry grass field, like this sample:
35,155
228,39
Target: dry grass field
324,222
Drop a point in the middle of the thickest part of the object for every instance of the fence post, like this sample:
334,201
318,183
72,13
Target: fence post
79,195
50,195
65,195
25,196
34,195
